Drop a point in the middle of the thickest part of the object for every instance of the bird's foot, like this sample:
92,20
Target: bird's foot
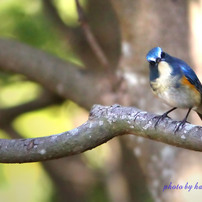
160,118
181,125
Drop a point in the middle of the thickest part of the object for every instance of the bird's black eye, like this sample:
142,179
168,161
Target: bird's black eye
163,54
152,63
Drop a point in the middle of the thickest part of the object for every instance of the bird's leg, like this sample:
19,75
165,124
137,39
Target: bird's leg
183,121
161,117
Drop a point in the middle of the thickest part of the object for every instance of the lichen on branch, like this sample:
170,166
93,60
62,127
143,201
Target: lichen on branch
104,123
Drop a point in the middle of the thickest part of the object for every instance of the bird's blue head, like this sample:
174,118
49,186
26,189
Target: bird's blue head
155,55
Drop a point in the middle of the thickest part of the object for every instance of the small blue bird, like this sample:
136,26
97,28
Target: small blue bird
172,80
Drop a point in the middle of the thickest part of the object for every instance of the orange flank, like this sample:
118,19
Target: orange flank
186,82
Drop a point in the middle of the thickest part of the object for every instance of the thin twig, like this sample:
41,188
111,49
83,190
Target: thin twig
91,38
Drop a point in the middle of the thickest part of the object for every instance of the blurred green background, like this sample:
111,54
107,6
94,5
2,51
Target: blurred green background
107,173
24,20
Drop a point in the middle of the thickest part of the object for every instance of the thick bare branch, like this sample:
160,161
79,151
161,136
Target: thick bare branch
63,78
104,124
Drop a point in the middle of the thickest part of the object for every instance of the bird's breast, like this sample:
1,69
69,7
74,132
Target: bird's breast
164,79
175,90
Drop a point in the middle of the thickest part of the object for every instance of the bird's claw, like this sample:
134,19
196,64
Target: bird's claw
180,126
160,118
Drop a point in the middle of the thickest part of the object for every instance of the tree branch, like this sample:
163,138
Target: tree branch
95,47
63,78
9,114
104,124
45,99
91,38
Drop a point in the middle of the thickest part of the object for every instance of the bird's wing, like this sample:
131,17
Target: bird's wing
190,75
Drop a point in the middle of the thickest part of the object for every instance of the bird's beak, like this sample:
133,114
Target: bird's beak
158,60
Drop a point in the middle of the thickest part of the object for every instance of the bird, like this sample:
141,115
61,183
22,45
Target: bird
175,83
